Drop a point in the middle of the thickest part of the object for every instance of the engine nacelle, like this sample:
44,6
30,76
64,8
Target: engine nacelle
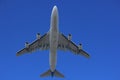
69,37
27,45
80,46
38,35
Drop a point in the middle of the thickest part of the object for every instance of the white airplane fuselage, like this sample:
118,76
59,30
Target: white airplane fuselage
53,39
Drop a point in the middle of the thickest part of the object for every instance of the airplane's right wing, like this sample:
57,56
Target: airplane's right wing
42,43
65,44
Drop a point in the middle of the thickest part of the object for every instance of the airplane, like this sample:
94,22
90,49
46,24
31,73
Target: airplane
53,40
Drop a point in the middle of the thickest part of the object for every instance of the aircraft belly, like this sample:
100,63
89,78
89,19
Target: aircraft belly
53,49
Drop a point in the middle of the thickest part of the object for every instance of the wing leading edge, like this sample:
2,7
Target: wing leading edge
65,44
42,43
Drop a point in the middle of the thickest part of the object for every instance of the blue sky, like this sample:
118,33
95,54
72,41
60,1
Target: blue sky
94,23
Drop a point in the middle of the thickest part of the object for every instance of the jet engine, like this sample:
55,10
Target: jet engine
38,35
27,45
80,46
69,36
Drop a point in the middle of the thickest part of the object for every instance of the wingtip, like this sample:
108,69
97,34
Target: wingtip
88,56
17,54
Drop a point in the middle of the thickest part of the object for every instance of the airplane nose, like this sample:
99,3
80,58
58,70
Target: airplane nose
55,10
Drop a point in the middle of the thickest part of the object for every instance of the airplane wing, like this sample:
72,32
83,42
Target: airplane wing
42,43
65,44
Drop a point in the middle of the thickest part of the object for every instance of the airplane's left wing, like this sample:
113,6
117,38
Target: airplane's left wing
41,43
65,44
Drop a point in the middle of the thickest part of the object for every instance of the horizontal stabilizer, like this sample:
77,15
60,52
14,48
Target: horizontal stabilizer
58,74
50,73
46,74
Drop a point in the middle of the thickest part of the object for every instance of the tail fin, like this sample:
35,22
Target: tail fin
50,73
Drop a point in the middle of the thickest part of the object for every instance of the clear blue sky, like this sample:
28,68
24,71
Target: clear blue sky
95,24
